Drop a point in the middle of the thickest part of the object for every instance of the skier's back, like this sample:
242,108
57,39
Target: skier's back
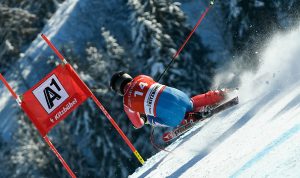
146,101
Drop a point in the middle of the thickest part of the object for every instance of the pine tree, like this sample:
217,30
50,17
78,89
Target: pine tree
159,28
114,51
30,156
43,8
20,22
12,36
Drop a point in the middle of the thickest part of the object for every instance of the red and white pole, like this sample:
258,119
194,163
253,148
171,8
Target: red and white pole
12,92
61,159
133,149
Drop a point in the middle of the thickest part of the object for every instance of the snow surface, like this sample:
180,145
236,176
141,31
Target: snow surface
257,138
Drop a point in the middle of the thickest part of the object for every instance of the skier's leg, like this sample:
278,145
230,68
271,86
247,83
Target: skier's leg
172,106
207,99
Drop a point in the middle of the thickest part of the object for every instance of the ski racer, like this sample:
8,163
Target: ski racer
148,102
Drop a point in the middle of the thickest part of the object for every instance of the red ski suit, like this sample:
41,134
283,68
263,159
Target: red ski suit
161,104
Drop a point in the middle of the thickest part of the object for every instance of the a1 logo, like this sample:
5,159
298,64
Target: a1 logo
50,94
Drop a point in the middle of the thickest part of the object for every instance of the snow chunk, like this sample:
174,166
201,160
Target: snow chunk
259,3
9,46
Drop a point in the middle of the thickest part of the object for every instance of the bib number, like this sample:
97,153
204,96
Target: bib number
142,86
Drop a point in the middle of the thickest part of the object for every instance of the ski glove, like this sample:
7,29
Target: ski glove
145,119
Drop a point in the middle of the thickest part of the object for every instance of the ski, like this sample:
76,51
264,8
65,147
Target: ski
168,136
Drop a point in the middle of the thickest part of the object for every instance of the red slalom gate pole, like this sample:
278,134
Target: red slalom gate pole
47,140
127,141
135,152
8,87
63,162
59,55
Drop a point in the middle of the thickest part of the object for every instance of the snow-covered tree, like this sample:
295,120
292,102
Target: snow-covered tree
43,8
113,50
17,26
30,157
20,22
158,29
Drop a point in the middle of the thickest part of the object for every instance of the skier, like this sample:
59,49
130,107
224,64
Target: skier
148,102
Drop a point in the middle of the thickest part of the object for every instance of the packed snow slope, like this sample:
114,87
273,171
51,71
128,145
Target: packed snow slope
257,138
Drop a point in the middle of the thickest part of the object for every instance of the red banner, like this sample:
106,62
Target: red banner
54,98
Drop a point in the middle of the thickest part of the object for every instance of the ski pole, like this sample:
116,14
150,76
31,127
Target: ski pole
186,40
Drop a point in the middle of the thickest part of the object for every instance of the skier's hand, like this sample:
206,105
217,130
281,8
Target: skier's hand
145,119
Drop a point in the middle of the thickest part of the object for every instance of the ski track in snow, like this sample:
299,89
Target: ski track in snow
257,138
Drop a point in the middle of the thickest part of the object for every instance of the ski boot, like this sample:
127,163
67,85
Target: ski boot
192,117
